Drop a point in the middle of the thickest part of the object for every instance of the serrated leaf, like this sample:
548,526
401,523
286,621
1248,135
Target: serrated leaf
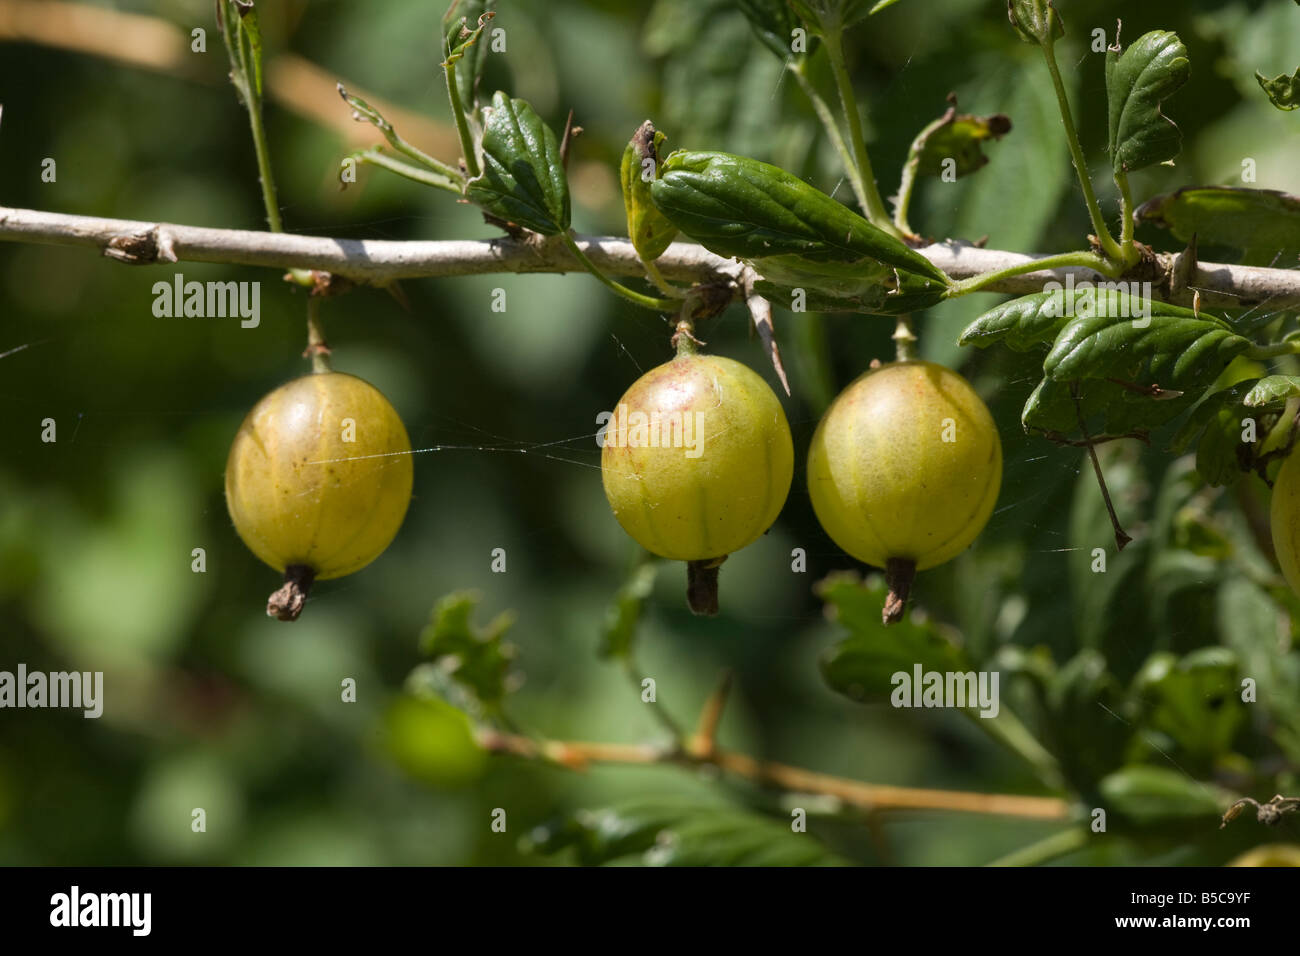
1283,91
958,137
647,227
523,178
862,665
1263,223
1179,351
664,833
477,658
1272,389
1158,795
623,615
1137,81
1021,324
749,210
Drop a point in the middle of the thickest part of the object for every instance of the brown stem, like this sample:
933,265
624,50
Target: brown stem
318,350
287,603
899,573
578,755
702,585
706,732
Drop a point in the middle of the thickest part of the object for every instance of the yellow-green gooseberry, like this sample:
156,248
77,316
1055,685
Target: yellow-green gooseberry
697,462
1284,520
904,470
318,481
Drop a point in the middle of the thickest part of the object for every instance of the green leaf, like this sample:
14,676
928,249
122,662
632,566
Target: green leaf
1179,351
1035,21
248,24
624,615
1193,700
1021,324
1271,390
865,287
1088,740
1263,224
1283,91
523,177
1107,407
649,230
1205,411
958,137
1157,795
773,22
1137,82
478,659
1249,618
1221,455
663,833
823,16
462,26
862,665
743,208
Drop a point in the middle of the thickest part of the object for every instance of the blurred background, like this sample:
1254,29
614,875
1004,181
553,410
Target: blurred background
209,703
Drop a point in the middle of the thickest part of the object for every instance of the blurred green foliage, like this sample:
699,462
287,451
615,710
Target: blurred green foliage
1122,675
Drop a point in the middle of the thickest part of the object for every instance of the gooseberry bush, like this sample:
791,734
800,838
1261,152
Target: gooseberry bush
1082,549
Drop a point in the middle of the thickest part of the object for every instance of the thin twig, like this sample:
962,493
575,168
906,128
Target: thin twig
706,732
1121,537
578,755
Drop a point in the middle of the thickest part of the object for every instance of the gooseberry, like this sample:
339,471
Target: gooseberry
904,470
1284,519
697,463
318,481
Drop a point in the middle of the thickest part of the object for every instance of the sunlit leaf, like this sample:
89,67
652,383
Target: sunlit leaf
523,178
1137,82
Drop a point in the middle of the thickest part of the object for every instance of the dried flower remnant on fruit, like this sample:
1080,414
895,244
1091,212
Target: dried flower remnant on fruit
904,470
696,462
318,481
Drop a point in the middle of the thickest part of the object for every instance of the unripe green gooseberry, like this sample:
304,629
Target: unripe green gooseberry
904,470
1284,520
697,463
318,481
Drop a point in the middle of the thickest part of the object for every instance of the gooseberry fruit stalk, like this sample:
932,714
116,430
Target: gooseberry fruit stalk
904,471
318,481
697,463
